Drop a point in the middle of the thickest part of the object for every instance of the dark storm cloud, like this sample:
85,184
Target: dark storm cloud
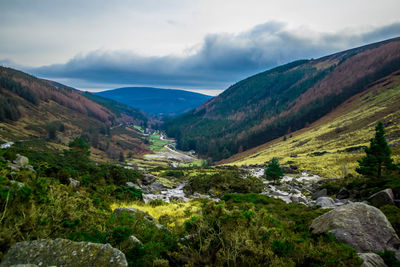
221,59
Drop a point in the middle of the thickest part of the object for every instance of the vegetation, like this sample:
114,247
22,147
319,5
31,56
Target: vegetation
271,104
343,135
273,171
378,155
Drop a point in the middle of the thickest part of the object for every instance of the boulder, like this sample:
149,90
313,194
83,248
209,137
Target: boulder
384,197
134,211
63,252
363,227
134,240
325,203
74,183
371,260
320,193
148,179
21,161
343,193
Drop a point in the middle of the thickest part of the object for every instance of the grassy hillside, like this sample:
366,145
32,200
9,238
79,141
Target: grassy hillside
332,145
282,100
33,109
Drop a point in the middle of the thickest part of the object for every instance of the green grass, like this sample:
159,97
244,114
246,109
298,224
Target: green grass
156,144
139,128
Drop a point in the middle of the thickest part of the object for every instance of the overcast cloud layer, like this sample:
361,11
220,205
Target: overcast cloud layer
203,44
219,61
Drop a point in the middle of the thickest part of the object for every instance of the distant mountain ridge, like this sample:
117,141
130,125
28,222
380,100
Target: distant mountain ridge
281,100
157,101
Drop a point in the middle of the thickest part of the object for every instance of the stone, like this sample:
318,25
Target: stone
21,161
343,193
134,240
148,179
325,203
320,193
74,183
133,211
130,184
384,197
63,252
361,226
371,260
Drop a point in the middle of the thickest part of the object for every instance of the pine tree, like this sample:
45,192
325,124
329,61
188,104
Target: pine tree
273,171
378,157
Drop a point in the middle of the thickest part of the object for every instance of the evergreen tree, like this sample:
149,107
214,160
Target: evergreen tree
273,171
378,155
121,157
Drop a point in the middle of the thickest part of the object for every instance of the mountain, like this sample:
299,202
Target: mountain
332,145
282,100
156,101
38,109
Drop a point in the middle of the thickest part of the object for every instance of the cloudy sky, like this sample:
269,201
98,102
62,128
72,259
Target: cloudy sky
196,44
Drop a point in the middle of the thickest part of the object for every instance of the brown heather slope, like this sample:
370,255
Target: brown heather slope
57,104
282,100
332,145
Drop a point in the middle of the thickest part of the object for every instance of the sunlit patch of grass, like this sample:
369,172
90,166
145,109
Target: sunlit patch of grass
156,143
175,213
321,148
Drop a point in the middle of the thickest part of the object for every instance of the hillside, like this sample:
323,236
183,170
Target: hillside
34,109
282,100
156,101
332,145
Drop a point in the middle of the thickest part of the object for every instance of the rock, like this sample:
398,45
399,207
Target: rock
63,252
148,179
130,184
384,197
134,211
371,260
21,161
19,184
74,183
298,199
363,227
294,167
343,193
320,193
134,240
326,203
397,202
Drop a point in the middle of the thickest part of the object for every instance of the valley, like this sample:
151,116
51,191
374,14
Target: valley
294,166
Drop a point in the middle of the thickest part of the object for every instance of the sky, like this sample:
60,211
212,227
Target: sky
197,45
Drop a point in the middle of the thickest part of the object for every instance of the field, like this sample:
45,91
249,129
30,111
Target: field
332,145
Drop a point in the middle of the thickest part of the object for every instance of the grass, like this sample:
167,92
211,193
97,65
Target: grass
139,128
329,147
156,143
173,214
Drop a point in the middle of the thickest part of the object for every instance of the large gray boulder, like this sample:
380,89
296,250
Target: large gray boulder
363,227
371,260
384,197
63,252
